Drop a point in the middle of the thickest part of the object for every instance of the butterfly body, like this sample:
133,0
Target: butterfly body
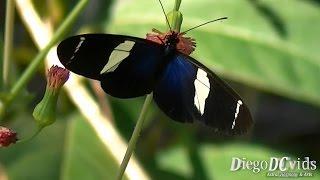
169,50
184,89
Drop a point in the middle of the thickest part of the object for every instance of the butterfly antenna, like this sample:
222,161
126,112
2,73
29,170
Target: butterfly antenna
219,19
165,15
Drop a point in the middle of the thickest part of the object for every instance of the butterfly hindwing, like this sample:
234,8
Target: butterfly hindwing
188,91
125,65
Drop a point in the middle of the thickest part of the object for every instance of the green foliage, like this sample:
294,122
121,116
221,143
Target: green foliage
1,62
85,157
269,45
69,149
217,160
38,159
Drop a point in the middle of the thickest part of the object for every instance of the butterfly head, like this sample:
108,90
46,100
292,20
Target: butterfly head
174,40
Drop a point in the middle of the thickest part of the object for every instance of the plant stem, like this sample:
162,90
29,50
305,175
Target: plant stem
136,132
177,5
175,17
8,36
31,69
32,136
135,135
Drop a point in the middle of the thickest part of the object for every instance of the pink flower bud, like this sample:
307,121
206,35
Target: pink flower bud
57,76
7,137
45,112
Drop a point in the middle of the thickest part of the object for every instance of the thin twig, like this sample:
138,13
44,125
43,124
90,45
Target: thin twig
31,69
8,41
37,131
135,135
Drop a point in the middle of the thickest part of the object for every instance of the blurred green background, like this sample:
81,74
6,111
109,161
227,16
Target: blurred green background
268,51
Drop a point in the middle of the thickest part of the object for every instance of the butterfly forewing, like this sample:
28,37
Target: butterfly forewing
188,92
125,65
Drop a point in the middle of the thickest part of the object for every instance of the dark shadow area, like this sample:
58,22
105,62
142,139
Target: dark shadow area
288,126
97,14
316,2
275,20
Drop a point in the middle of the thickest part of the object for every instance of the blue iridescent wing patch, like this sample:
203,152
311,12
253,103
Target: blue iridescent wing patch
188,92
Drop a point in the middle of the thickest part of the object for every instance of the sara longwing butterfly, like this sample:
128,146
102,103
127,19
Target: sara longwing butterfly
183,88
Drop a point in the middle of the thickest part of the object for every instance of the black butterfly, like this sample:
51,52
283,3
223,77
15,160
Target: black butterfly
183,88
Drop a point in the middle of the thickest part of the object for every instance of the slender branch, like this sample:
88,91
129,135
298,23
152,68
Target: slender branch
8,39
35,133
135,135
31,69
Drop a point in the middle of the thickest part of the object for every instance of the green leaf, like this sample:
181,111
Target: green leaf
247,47
126,113
37,159
1,63
175,160
66,150
216,160
85,155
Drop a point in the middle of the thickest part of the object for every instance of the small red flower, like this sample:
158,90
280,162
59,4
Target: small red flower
7,137
57,76
186,45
